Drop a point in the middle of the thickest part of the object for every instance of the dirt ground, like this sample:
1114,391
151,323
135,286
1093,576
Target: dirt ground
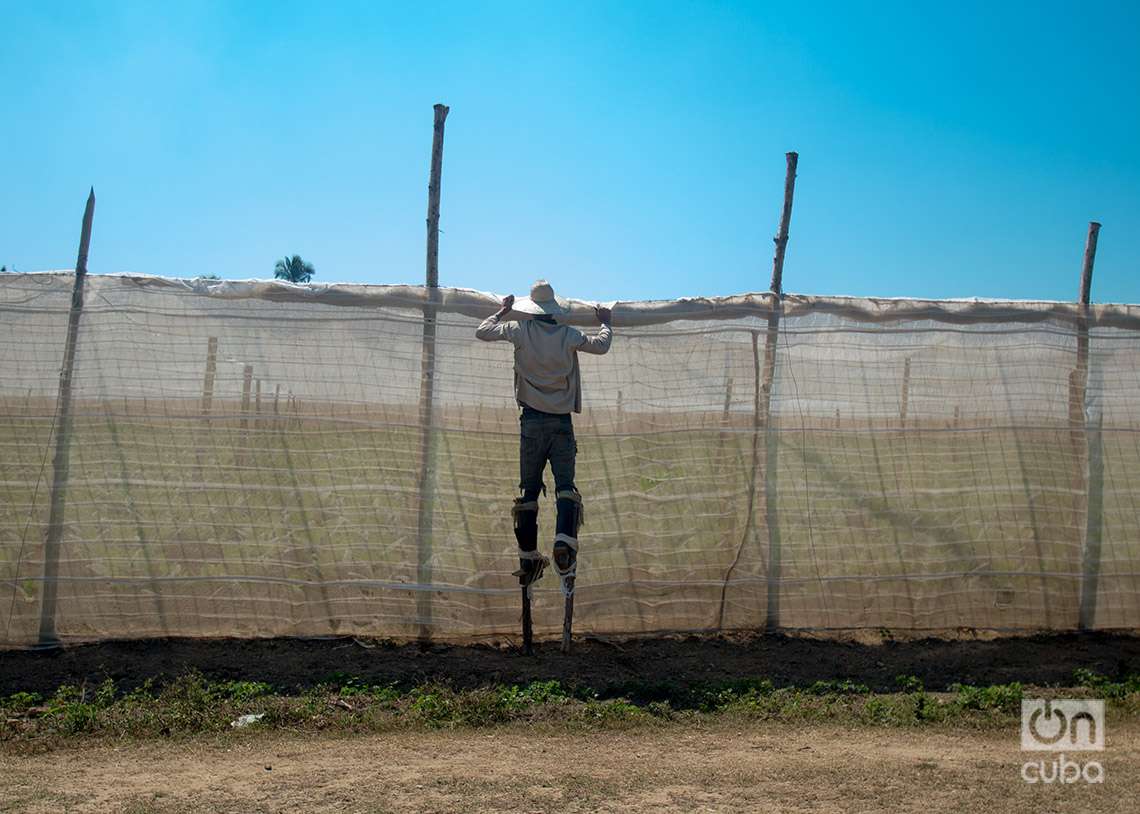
752,767
785,659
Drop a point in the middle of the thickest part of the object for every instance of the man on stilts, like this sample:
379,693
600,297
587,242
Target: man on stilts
548,389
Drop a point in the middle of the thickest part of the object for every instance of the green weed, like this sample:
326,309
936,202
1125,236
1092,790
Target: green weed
381,693
241,691
842,687
907,683
618,710
20,701
1000,697
1106,687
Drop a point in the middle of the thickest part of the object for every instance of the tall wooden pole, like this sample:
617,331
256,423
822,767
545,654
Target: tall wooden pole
1079,379
1090,258
427,384
1090,427
433,196
771,518
61,460
785,221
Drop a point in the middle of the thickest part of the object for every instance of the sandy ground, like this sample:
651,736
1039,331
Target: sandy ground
752,767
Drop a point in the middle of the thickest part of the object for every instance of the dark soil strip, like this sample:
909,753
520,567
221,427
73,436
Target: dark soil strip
292,664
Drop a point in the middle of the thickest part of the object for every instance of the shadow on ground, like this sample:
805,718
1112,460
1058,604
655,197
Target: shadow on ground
290,664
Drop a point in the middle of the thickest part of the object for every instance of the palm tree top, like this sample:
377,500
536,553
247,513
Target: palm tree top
294,269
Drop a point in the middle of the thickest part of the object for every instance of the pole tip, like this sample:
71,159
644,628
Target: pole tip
91,194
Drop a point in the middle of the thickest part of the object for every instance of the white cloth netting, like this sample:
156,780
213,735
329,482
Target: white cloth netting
926,465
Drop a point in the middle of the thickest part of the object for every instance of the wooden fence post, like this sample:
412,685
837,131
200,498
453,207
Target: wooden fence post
211,373
1091,428
771,458
1087,265
762,415
61,461
905,399
781,239
246,387
427,385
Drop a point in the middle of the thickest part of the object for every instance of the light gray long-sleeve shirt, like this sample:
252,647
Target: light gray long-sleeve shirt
546,360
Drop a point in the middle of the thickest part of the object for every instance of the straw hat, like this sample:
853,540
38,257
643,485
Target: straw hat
542,300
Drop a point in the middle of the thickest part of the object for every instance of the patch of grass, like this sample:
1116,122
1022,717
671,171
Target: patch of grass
515,698
439,705
618,710
703,697
70,710
904,709
1106,687
381,693
842,687
1001,697
192,705
907,683
241,691
926,708
20,701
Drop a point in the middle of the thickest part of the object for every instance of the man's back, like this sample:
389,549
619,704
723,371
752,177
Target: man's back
546,360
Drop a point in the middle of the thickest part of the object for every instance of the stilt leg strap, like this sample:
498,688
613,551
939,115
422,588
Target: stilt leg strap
531,566
576,496
521,505
567,540
566,562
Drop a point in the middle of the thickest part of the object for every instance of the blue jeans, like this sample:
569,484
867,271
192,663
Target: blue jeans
545,437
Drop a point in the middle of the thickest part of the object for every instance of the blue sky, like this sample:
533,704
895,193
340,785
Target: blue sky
625,150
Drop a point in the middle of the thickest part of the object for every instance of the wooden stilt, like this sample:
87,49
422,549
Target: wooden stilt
527,625
568,620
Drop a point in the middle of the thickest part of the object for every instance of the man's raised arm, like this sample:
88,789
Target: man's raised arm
599,343
491,329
